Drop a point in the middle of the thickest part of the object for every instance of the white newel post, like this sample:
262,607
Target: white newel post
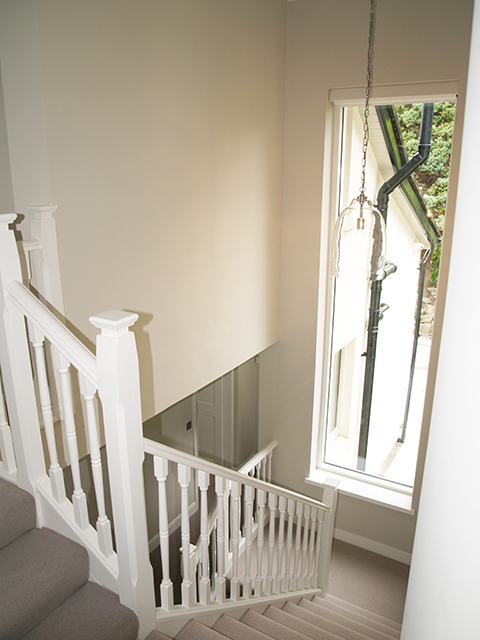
330,496
45,263
119,391
16,367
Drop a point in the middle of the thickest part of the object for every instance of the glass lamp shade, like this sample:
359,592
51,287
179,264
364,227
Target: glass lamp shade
359,242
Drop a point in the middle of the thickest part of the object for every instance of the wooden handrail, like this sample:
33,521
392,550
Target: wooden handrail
180,457
51,327
252,462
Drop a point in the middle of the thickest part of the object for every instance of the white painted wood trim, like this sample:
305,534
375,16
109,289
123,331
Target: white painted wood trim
373,545
396,93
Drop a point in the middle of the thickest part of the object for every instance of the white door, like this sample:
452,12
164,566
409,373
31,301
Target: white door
214,421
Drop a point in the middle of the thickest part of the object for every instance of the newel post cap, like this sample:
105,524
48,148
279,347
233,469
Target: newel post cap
6,219
42,211
114,323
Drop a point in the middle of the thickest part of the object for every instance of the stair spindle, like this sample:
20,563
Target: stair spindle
282,503
247,584
79,498
160,466
309,584
272,505
303,569
261,498
55,472
104,530
220,580
298,547
287,578
188,586
235,581
204,584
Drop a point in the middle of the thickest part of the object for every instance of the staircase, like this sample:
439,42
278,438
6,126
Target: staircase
72,456
45,594
44,589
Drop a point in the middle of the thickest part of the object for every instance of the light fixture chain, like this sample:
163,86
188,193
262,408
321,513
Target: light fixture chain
368,90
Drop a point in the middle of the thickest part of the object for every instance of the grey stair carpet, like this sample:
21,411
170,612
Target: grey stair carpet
237,630
340,614
44,588
356,609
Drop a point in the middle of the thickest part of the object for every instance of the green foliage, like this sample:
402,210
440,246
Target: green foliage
432,176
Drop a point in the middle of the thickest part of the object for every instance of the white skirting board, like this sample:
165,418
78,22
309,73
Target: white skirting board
372,545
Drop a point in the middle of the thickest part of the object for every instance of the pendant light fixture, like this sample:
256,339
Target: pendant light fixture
359,233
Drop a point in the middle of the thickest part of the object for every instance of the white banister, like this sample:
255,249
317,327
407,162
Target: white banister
261,500
247,589
188,586
16,367
119,391
55,471
104,530
204,583
56,332
220,581
282,504
166,586
175,455
272,506
235,580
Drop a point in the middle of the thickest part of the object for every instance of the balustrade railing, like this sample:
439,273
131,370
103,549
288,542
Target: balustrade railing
67,410
99,398
286,558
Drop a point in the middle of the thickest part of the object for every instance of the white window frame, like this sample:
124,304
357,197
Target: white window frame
353,483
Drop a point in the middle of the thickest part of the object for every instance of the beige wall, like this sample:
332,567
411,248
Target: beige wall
164,132
415,42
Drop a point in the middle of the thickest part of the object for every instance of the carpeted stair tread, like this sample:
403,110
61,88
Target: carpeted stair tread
17,509
39,571
308,629
271,627
195,630
237,630
91,613
346,618
157,635
355,631
355,608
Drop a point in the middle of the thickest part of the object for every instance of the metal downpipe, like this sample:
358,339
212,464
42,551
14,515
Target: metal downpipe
376,288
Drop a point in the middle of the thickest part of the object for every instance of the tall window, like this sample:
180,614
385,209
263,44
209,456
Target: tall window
414,224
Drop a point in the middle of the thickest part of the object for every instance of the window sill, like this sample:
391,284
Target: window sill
398,499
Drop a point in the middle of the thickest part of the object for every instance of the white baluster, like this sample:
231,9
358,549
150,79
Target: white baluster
204,585
298,547
79,498
55,471
104,529
282,503
247,585
318,547
264,469
309,584
287,578
160,466
220,582
261,498
235,581
269,466
6,443
258,470
303,568
188,586
272,505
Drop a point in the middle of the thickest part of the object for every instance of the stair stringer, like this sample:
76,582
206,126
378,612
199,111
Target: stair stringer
170,623
60,518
